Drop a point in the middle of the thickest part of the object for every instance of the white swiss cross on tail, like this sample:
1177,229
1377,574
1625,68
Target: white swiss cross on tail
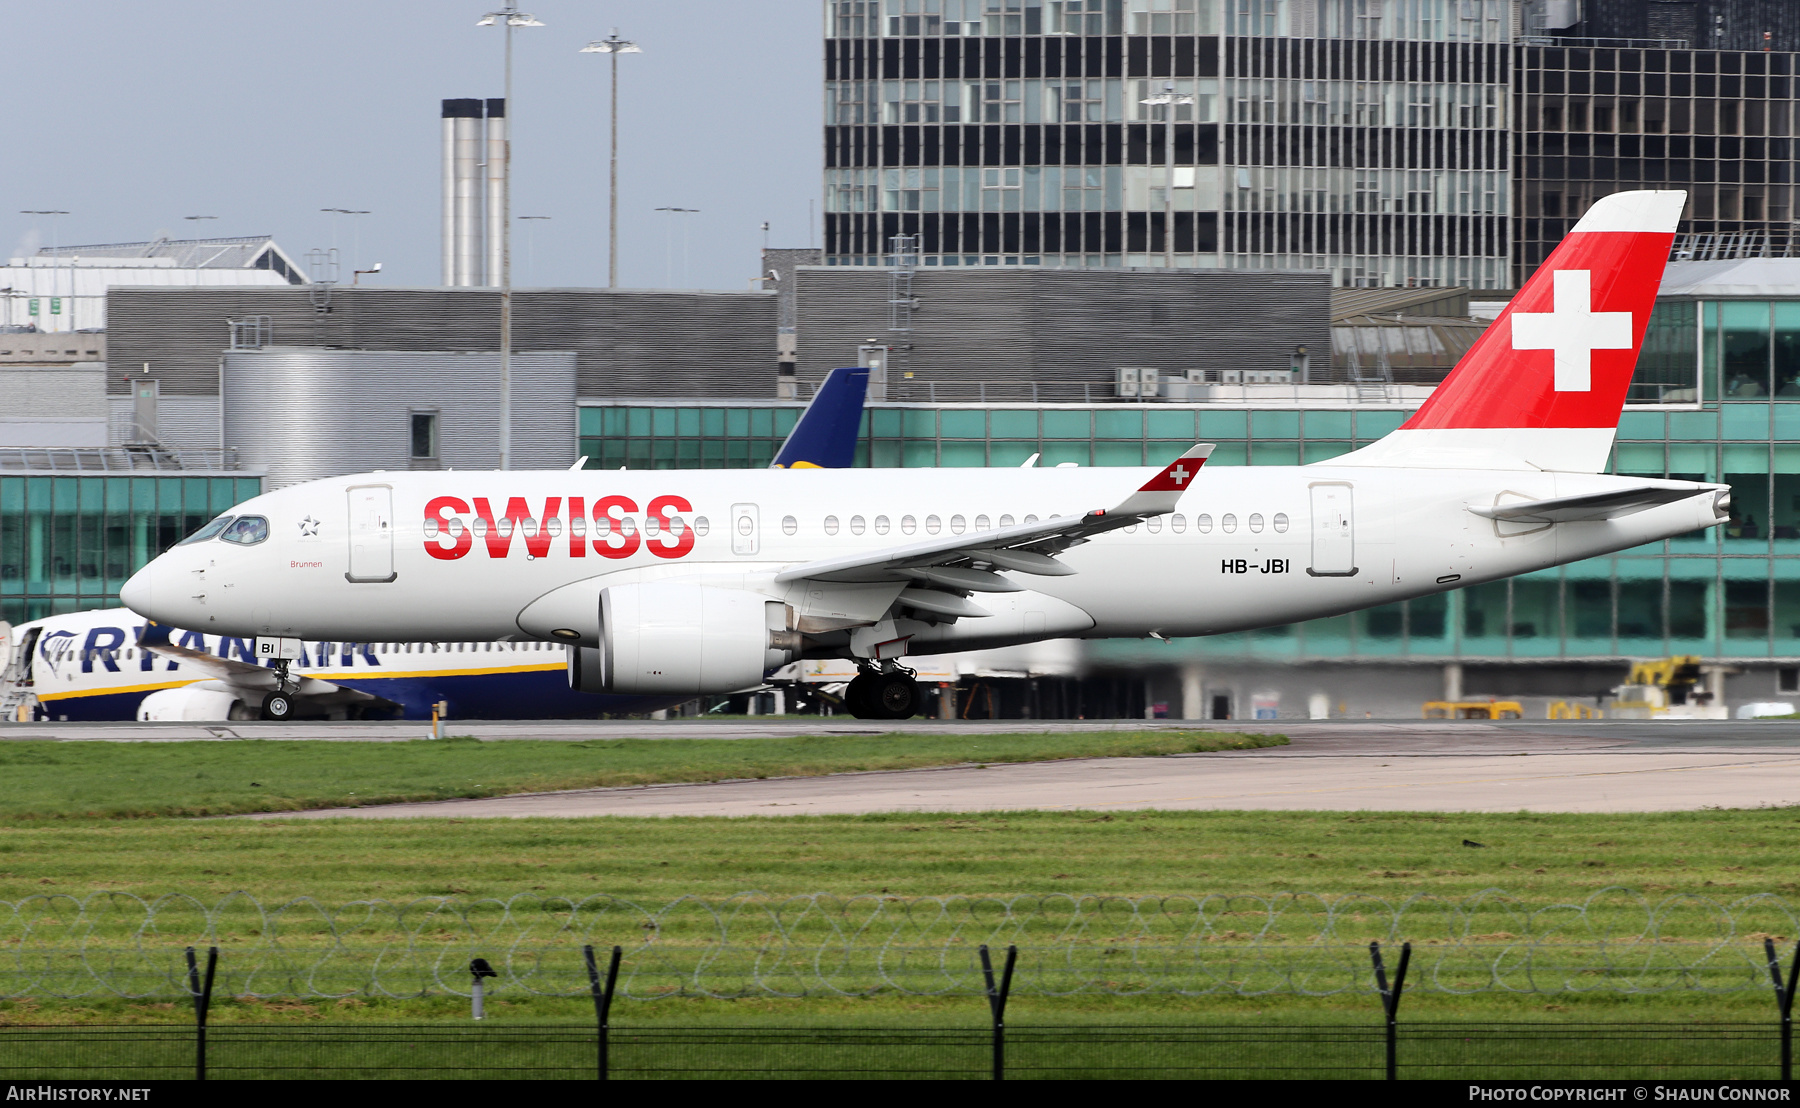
1572,329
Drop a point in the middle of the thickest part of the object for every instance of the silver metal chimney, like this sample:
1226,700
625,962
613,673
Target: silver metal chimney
448,231
496,173
463,255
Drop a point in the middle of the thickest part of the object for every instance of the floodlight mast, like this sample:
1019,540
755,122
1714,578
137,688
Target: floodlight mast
508,17
615,46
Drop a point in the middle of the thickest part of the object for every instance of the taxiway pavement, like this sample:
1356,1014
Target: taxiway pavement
1600,766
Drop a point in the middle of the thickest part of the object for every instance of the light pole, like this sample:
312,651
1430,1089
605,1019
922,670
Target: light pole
615,46
355,234
531,249
669,248
55,251
1168,98
508,17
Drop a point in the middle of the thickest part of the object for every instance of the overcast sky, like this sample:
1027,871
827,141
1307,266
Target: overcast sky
133,114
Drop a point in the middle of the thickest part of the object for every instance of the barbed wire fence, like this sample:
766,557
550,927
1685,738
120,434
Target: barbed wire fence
754,945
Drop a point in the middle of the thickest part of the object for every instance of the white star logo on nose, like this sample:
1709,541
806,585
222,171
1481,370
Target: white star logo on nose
309,527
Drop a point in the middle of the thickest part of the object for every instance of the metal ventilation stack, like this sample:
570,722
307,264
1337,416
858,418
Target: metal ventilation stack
497,154
463,193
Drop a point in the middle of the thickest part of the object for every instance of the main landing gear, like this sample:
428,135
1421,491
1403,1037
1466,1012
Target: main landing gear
278,706
883,694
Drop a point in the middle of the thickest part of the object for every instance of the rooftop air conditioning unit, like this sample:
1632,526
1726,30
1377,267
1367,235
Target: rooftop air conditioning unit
1137,382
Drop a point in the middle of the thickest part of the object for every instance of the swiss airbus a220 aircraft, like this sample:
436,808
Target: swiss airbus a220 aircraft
681,583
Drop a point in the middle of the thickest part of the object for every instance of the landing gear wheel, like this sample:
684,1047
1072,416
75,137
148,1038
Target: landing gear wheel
858,698
894,696
278,706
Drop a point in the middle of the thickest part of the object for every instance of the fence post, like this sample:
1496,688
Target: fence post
1390,1000
479,969
1784,1000
201,993
603,997
997,1003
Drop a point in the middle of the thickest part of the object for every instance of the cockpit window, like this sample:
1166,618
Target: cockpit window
211,530
247,531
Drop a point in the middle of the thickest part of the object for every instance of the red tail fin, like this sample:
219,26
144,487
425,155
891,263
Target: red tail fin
1546,382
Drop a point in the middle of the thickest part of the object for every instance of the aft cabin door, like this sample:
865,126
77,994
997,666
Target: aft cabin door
1333,532
371,533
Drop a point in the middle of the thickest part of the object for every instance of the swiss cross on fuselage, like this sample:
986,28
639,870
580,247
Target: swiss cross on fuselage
1572,329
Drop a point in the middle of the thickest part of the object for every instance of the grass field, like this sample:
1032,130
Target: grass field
49,847
56,780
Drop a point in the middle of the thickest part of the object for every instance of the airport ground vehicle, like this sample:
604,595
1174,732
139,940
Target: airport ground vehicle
688,582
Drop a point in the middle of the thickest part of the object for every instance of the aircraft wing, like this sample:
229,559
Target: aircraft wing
233,671
825,436
1588,507
967,562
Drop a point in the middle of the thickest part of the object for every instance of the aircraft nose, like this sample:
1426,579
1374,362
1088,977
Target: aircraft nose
136,593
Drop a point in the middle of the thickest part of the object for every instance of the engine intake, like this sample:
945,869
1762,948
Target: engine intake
670,637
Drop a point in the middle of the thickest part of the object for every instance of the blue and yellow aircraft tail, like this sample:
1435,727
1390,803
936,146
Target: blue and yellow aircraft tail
825,437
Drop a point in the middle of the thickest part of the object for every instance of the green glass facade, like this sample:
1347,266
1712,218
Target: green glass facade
67,543
1730,592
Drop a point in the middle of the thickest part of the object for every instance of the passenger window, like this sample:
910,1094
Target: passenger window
1178,523
1256,522
881,525
1030,519
701,526
933,524
247,531
1281,522
958,525
908,524
1006,521
209,531
981,523
858,525
789,525
831,525
1228,523
1153,525
1203,523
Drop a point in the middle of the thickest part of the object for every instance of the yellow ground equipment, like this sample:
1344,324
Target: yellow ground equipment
1672,686
1474,709
1562,709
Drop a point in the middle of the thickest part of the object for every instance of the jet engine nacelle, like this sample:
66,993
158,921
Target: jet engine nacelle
190,702
670,637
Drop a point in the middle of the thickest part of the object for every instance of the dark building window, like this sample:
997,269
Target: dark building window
424,435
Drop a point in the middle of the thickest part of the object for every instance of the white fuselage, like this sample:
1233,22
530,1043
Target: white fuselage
1354,537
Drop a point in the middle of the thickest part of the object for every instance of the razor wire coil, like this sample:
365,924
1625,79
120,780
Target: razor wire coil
755,945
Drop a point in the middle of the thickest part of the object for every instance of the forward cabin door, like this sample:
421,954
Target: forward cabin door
1333,531
371,533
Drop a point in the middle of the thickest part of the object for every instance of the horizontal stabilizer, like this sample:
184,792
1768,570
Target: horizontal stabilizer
1588,507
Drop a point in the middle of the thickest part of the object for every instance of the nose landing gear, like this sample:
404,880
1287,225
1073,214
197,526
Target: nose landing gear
278,706
889,693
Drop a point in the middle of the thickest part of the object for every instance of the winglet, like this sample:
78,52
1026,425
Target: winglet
1159,494
153,635
1176,475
